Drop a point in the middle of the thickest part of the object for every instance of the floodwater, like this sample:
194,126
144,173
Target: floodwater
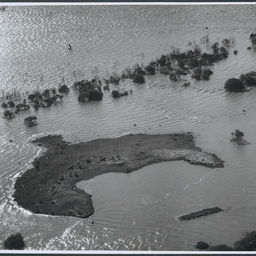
136,211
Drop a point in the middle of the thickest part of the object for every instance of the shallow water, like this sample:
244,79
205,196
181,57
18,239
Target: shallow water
136,211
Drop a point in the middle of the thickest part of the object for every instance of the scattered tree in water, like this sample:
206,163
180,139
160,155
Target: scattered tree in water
116,94
14,242
63,89
220,247
30,121
234,85
202,245
139,79
8,114
237,135
252,38
246,243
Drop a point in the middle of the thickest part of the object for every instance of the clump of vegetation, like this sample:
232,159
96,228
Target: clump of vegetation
63,89
252,38
220,247
249,79
114,79
150,69
8,114
4,105
116,94
30,121
139,79
202,245
88,90
246,243
237,135
11,104
234,85
14,242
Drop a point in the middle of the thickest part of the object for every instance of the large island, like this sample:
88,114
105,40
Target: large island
50,186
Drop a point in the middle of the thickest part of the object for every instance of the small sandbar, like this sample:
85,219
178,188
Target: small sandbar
50,186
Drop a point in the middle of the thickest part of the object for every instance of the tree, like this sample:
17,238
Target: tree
14,242
234,85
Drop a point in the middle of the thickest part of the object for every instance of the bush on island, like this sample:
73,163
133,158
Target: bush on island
246,243
95,96
63,89
202,245
221,247
8,114
234,85
116,94
30,121
14,242
139,79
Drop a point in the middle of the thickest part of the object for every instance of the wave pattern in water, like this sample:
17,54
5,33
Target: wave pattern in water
107,39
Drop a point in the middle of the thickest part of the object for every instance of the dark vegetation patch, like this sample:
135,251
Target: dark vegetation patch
14,242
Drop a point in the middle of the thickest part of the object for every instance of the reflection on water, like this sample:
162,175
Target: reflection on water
136,211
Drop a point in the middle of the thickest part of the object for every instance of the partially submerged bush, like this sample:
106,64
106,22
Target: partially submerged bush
202,245
14,242
139,79
63,89
4,105
8,114
221,247
95,96
116,94
249,79
30,121
246,243
234,85
237,135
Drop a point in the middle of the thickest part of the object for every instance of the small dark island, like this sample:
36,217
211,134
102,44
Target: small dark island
50,186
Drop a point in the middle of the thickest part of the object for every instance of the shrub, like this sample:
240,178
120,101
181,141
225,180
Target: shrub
95,96
14,242
8,114
30,121
139,79
202,245
249,79
116,94
150,69
221,247
234,85
63,89
11,104
246,243
4,105
83,97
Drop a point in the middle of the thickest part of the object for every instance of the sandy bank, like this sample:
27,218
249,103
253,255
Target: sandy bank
50,187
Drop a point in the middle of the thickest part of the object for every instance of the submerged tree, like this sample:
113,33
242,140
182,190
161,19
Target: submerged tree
237,135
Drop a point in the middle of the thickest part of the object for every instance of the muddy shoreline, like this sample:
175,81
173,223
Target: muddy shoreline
50,186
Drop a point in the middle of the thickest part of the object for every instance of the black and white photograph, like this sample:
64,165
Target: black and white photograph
127,127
